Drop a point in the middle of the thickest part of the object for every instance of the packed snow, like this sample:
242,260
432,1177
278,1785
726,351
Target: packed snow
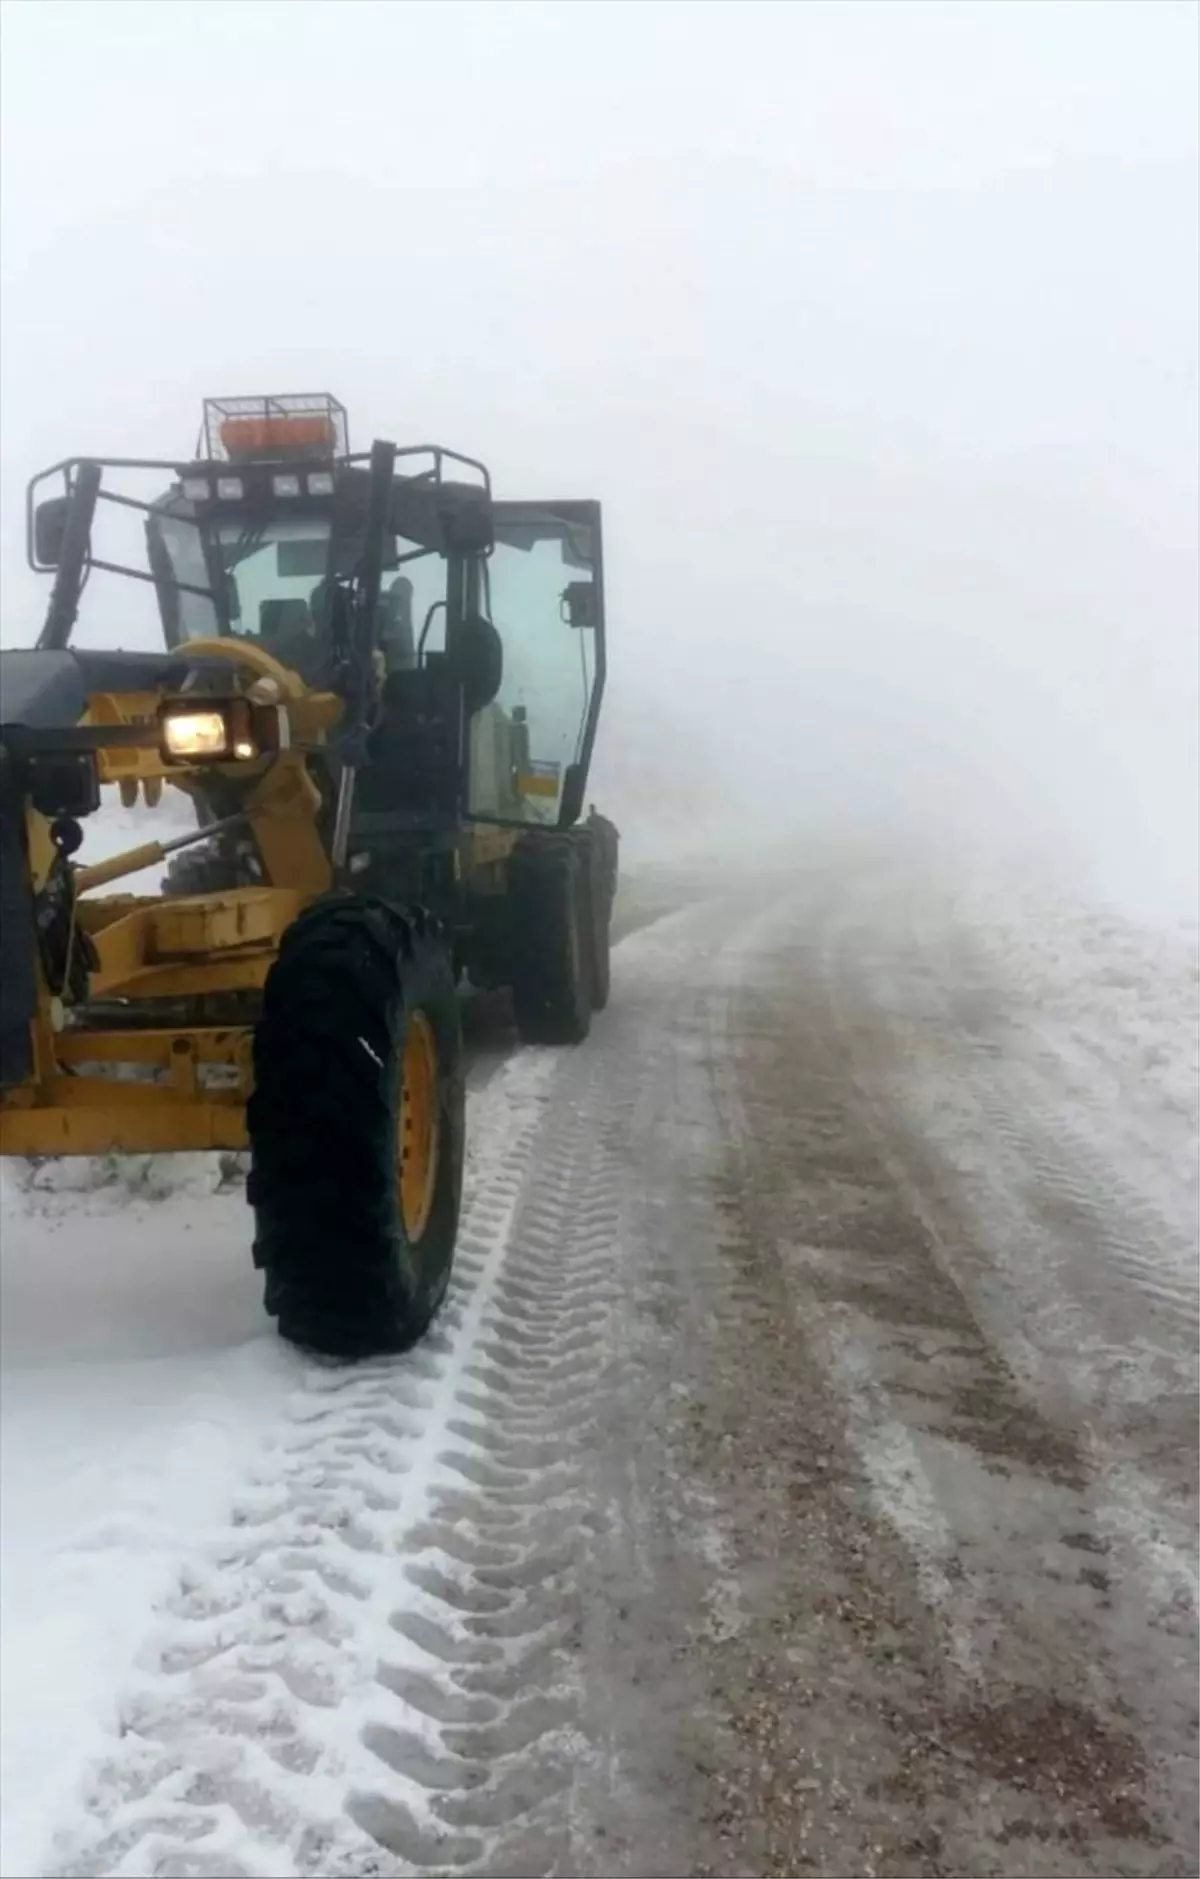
145,1399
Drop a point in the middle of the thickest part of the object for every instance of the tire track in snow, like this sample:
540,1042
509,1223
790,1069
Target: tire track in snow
499,1547
375,1670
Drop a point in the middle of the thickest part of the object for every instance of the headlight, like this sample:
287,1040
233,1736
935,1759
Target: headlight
213,734
195,734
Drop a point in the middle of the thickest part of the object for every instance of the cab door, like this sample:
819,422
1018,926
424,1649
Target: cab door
542,588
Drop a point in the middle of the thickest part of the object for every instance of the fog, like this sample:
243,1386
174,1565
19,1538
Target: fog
874,327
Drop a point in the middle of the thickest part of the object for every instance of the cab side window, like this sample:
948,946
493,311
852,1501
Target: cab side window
541,593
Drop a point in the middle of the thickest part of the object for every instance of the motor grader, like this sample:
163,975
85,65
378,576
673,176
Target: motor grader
378,689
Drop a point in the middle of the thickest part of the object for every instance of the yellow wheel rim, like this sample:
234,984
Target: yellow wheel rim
417,1126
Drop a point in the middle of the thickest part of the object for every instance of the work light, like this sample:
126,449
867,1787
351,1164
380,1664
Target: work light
220,732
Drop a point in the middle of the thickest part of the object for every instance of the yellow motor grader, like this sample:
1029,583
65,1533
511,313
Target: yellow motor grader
379,691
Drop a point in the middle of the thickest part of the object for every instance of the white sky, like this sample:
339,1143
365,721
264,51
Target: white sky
873,326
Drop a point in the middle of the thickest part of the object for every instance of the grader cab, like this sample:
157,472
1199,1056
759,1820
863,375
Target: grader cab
378,690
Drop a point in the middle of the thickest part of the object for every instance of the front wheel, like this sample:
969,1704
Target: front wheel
356,1128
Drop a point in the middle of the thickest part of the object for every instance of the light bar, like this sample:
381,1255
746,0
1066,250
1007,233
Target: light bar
287,485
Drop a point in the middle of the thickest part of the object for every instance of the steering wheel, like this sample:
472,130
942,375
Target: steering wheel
255,662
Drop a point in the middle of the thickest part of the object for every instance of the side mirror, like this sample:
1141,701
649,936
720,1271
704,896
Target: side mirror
579,603
571,805
481,662
49,529
467,525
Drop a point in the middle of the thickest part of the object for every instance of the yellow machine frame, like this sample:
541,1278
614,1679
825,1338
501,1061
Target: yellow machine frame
170,948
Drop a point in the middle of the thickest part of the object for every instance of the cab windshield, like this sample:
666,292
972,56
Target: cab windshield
273,582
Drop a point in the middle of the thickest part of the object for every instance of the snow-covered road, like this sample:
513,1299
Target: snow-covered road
801,1476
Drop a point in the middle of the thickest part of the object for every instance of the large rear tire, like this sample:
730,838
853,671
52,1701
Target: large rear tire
550,911
601,846
356,1128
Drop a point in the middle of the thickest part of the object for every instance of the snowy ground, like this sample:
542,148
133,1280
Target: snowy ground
800,1478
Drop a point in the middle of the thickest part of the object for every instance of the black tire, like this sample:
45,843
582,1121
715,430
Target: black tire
599,944
343,1275
600,843
606,838
549,907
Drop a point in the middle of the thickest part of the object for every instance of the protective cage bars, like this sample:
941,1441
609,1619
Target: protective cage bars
284,423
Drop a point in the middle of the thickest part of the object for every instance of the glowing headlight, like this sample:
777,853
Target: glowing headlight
220,732
195,734
320,483
286,485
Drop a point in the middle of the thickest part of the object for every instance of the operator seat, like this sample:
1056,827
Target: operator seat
285,630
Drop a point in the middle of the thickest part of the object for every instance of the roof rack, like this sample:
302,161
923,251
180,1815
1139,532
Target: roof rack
281,427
